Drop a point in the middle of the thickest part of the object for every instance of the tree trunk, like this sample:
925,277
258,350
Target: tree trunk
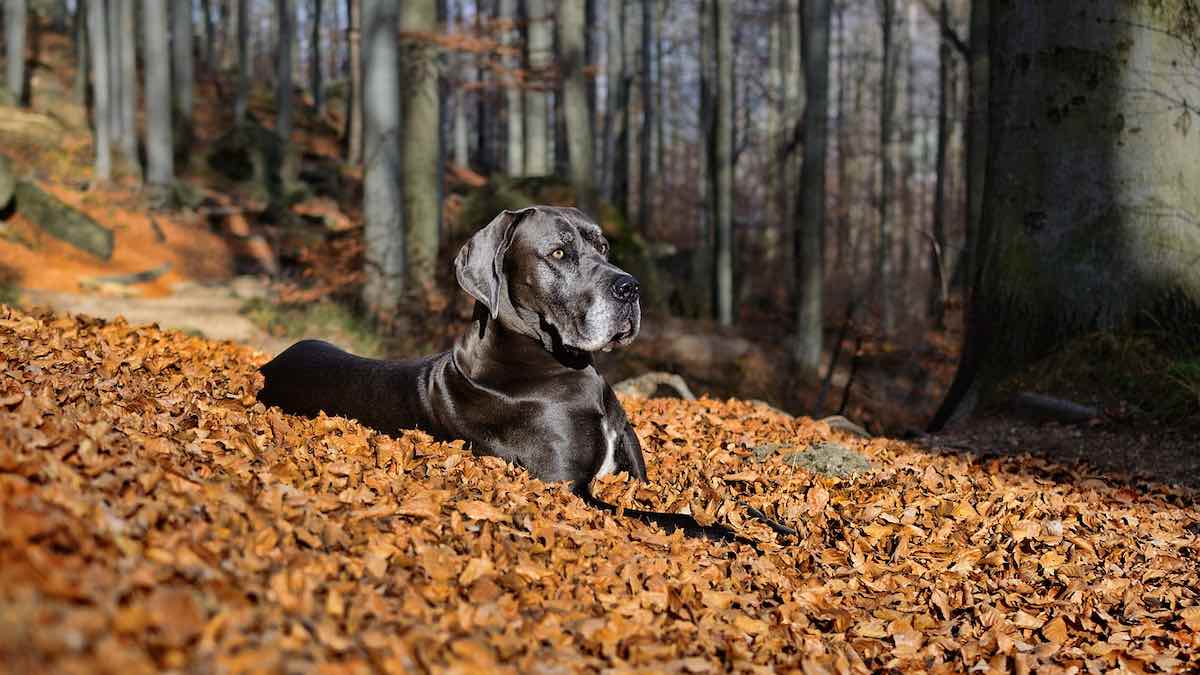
1090,211
660,130
355,97
421,170
115,73
514,113
286,17
160,159
843,150
908,182
129,81
318,92
621,105
184,68
210,38
810,259
572,37
722,160
80,49
15,17
382,209
702,255
462,144
537,111
645,135
937,249
887,96
241,99
613,66
101,99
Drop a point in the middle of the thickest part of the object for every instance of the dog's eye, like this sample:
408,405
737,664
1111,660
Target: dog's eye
558,254
603,249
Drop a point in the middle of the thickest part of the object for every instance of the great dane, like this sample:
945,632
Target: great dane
520,383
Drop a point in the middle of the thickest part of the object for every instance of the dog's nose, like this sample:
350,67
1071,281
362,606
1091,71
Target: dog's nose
625,288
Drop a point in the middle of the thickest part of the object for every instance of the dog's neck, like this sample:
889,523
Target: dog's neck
489,343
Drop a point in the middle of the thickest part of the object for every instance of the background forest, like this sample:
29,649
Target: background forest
825,201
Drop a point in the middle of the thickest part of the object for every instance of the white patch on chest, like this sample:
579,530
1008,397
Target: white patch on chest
610,448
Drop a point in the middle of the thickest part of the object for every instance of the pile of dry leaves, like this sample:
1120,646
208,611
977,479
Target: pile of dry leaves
154,516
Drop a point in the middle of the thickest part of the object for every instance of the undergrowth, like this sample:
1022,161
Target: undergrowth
324,319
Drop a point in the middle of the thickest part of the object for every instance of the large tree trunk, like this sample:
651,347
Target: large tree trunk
1091,209
115,73
241,101
15,15
645,139
184,68
722,160
101,99
355,97
286,18
810,259
514,114
573,34
160,159
537,111
129,80
382,210
622,150
702,255
318,92
418,19
612,76
887,96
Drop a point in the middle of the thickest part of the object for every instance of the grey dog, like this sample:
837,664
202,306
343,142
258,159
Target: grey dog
520,383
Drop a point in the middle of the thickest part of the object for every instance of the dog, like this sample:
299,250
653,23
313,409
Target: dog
520,384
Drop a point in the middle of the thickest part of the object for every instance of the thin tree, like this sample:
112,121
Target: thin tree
702,254
160,164
722,160
613,72
572,36
285,16
461,139
937,248
315,64
422,104
101,99
115,72
184,69
15,18
645,135
810,258
513,100
128,68
887,98
537,112
354,98
241,100
382,210
210,37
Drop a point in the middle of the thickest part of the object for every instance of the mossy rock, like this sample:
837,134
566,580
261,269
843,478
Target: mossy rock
255,158
8,182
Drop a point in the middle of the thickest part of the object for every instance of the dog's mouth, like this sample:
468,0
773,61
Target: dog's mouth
622,337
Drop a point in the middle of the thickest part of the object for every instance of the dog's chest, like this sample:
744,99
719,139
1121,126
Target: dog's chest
610,437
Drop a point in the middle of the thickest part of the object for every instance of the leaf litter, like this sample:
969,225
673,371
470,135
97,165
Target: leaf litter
154,516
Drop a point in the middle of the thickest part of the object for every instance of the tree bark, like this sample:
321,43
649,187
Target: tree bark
702,266
318,92
184,68
160,159
1090,214
621,105
537,112
241,99
382,209
462,145
613,53
115,72
977,139
722,160
210,38
810,258
355,97
937,248
573,34
285,16
421,168
101,99
80,49
15,18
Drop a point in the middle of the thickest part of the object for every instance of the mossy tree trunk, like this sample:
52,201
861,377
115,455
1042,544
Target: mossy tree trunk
15,14
1091,214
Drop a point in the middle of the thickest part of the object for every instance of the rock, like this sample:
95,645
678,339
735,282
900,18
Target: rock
839,423
645,386
829,458
8,182
63,221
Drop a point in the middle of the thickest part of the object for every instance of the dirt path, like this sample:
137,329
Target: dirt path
213,311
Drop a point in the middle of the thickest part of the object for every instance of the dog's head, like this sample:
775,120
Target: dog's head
544,271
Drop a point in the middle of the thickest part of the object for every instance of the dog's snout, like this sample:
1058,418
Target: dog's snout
625,288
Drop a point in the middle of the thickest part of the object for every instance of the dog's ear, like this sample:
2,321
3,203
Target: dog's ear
479,265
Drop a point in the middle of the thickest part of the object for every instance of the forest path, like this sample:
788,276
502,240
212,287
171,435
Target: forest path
213,311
